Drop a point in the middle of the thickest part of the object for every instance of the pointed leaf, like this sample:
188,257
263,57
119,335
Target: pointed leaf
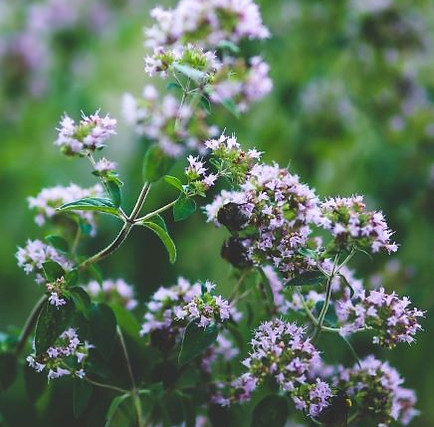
230,105
58,242
226,44
195,341
183,208
309,278
81,299
164,237
35,383
8,370
173,181
114,190
156,163
97,204
270,411
81,396
53,270
52,321
114,406
347,284
103,328
195,75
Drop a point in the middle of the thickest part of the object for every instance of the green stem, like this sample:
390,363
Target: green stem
108,386
29,325
306,308
123,233
76,239
238,285
156,212
327,300
104,182
134,392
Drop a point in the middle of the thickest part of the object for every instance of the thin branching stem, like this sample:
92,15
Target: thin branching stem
107,386
29,325
134,391
123,233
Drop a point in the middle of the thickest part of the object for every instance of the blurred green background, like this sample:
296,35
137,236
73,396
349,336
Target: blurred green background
351,111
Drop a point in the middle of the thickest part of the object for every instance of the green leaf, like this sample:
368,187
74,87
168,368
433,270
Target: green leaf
347,284
164,237
96,273
270,411
81,300
52,321
53,270
206,104
103,328
173,181
307,253
72,277
228,45
127,321
97,204
159,220
81,396
183,208
230,105
8,370
330,317
114,190
195,341
309,278
195,75
114,406
58,242
35,383
173,85
156,163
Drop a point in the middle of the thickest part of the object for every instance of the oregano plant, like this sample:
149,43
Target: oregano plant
254,357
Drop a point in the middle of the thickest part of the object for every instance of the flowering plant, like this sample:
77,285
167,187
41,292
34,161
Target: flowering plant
289,249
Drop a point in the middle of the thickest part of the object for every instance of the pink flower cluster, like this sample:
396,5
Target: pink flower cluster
68,357
35,254
282,352
353,226
117,291
49,199
281,210
241,82
390,316
170,309
206,23
89,134
155,119
376,388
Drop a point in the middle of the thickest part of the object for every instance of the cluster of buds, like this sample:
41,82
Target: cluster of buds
390,316
171,309
49,199
354,227
269,217
175,127
169,60
280,351
206,23
195,43
56,290
88,135
376,389
67,357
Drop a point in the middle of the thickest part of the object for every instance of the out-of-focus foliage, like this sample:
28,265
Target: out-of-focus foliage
351,110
